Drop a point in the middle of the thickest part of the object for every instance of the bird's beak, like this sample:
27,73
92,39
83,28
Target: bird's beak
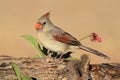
38,26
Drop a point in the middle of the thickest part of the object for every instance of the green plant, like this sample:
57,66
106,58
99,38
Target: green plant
35,43
17,71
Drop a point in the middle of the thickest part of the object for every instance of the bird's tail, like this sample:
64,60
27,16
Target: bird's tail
94,51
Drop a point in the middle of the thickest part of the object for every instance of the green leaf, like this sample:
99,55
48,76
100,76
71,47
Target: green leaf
25,77
35,43
17,71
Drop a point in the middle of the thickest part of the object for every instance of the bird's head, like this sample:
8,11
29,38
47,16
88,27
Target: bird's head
44,23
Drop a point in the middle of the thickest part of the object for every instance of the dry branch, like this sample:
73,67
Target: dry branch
54,69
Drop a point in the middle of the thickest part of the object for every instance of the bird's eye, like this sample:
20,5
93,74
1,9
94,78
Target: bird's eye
44,23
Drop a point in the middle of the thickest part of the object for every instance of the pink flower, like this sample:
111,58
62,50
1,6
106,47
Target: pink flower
95,37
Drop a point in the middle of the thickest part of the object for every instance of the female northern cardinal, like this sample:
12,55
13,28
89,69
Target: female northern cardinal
55,39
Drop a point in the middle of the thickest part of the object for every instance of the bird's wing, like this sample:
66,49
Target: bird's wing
64,37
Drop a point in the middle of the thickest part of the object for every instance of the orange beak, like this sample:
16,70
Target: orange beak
38,26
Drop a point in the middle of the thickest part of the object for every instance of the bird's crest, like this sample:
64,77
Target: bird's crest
47,14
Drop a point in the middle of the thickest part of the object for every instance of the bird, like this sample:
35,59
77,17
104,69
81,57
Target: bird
57,40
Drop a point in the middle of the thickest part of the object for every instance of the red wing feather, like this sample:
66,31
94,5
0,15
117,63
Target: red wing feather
66,38
62,38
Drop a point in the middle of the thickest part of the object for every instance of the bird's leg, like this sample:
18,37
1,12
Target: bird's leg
49,53
61,55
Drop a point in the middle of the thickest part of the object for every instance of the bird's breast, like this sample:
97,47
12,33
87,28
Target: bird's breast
50,43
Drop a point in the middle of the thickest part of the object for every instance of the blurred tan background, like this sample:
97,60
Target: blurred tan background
78,17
